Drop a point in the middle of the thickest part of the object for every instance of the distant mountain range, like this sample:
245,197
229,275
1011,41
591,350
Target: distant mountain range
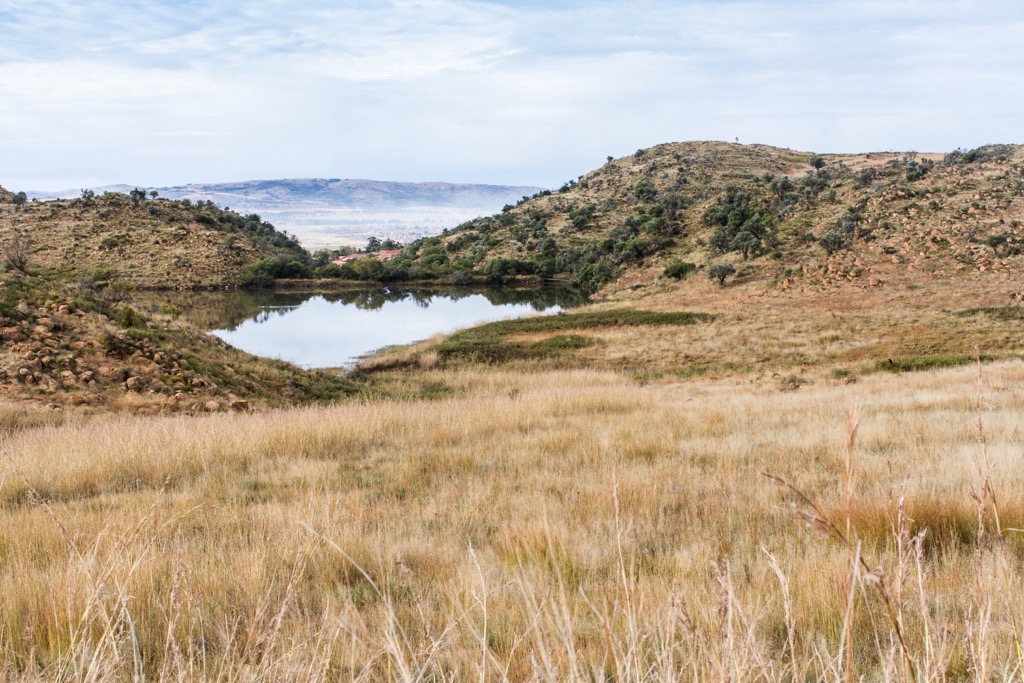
332,192
327,212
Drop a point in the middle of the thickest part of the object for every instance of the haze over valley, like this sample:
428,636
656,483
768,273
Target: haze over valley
328,213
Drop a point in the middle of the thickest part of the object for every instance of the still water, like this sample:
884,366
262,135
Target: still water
333,329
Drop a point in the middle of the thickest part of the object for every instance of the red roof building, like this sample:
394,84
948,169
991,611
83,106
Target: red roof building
382,255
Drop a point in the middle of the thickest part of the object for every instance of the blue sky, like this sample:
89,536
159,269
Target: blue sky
152,92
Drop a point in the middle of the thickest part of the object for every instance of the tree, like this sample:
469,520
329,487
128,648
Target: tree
373,244
610,159
137,196
19,199
746,243
817,162
720,271
154,194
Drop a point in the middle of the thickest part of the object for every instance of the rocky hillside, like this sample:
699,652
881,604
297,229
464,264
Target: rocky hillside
756,213
145,242
75,345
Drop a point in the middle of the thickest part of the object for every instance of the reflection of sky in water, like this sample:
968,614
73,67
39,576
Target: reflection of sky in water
322,334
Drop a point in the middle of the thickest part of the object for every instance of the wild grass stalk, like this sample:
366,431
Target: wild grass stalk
579,530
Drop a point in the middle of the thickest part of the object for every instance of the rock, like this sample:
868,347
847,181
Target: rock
239,405
68,377
135,384
87,376
212,406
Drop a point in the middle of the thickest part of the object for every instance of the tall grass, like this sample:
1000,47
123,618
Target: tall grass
556,526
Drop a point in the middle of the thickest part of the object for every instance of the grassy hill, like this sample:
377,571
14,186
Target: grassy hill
144,242
785,218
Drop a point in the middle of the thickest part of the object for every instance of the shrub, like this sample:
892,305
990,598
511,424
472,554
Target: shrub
16,254
644,191
679,269
593,276
743,225
500,270
841,235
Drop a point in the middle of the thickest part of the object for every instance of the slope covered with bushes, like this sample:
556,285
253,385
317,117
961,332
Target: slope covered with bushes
143,241
774,213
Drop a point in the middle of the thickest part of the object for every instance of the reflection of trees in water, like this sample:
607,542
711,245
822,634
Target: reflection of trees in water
220,310
267,313
540,298
228,310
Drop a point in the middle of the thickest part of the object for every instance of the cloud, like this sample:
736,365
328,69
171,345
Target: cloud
529,92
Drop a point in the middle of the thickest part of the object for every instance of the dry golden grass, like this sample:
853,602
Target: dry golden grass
549,526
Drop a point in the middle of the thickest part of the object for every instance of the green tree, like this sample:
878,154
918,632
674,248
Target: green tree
720,271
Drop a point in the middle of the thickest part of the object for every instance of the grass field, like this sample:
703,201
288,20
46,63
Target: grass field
557,525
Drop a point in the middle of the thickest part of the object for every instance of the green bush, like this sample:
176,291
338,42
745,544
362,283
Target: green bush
744,224
927,362
679,269
644,191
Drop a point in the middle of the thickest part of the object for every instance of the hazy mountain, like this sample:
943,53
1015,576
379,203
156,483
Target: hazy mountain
327,212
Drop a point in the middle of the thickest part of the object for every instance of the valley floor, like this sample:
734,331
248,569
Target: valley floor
549,525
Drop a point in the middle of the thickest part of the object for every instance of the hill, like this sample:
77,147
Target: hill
145,242
80,345
777,216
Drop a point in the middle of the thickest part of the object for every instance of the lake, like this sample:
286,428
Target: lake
337,328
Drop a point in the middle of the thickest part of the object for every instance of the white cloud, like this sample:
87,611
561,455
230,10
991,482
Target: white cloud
170,92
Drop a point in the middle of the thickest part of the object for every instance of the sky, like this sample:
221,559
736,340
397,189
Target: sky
156,93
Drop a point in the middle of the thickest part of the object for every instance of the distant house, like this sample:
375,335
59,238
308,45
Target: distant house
342,260
382,255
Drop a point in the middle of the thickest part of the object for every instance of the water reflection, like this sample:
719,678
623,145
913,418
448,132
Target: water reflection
329,329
